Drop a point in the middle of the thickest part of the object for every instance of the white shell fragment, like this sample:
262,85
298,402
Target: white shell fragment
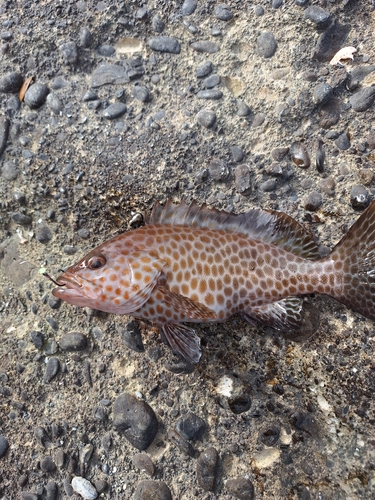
344,53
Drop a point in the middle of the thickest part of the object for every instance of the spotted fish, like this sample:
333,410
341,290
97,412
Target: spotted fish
192,264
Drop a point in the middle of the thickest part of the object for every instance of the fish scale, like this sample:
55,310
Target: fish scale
191,264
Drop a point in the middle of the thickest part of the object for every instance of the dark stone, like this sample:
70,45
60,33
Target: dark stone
205,46
158,24
181,443
149,489
313,201
305,422
43,234
144,463
258,10
241,488
279,153
270,436
11,82
240,404
359,198
358,74
47,464
330,113
51,491
37,339
317,15
206,118
54,103
22,219
207,467
219,170
242,179
136,420
242,108
117,74
52,369
188,7
266,44
330,41
69,51
223,12
343,141
190,426
42,437
4,132
106,50
267,186
4,445
211,81
210,94
276,4
36,95
165,44
85,37
141,93
299,155
363,99
73,341
322,93
132,337
9,171
114,111
204,69
237,154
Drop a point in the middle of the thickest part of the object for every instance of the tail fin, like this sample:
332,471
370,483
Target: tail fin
355,255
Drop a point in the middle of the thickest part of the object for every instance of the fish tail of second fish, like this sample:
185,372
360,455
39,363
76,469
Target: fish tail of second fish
354,258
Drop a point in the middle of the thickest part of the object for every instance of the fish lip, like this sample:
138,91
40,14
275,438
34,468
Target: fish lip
75,286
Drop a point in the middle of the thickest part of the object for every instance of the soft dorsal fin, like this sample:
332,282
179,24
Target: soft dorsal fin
269,226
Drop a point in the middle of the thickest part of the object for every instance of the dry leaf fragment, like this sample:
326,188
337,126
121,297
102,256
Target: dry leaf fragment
344,53
25,86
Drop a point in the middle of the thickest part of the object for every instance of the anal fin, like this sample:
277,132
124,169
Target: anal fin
183,340
286,314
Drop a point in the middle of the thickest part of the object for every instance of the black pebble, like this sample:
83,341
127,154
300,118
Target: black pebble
188,7
210,94
322,93
190,426
37,339
165,44
51,490
22,219
266,44
363,99
149,489
343,141
240,404
204,69
85,37
11,82
36,95
313,201
4,132
141,93
132,337
317,15
359,198
241,488
4,445
43,234
47,464
52,369
73,341
207,467
158,24
206,118
270,436
114,110
237,154
136,420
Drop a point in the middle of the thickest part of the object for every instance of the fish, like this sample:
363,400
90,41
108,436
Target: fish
192,264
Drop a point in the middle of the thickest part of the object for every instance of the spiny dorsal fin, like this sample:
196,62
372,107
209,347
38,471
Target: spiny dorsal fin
269,226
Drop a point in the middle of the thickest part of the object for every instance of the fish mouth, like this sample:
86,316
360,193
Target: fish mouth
73,287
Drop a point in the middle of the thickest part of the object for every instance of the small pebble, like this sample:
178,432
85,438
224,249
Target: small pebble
313,201
84,488
4,445
206,118
114,110
47,464
144,463
317,15
267,186
37,338
266,44
73,341
132,336
276,4
43,234
36,95
211,81
141,93
207,467
278,154
165,44
242,179
106,50
52,369
363,99
149,489
54,103
22,219
237,154
210,94
223,12
4,132
204,69
101,485
188,7
343,141
190,426
51,490
9,171
85,37
359,198
242,109
219,170
181,443
322,93
205,46
11,82
299,155
240,488
158,24
69,51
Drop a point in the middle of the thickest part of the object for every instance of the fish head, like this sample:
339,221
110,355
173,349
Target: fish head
110,278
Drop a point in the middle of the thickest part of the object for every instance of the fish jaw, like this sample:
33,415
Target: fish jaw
76,290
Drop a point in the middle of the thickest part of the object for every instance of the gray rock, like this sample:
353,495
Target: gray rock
266,44
165,44
85,37
142,13
51,491
343,141
359,198
47,464
317,15
363,99
299,155
144,463
132,337
242,179
211,81
11,82
210,94
240,488
313,201
279,153
27,495
188,7
73,341
36,95
358,74
258,119
4,445
322,93
54,103
276,4
22,219
141,93
330,41
4,133
190,426
106,50
237,154
42,437
207,467
158,24
149,489
117,74
43,234
267,186
205,46
223,12
37,338
330,113
114,110
301,3
258,10
83,487
69,51
242,108
52,369
181,443
206,118
219,169
136,420
204,69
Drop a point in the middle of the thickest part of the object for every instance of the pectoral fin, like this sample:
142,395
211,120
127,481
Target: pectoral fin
187,308
285,314
183,340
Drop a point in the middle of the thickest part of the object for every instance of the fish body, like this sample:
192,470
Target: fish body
195,265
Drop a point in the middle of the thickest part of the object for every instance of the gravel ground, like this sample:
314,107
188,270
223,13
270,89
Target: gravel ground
235,105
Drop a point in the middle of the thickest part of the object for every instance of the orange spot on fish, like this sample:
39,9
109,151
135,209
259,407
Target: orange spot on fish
109,288
113,277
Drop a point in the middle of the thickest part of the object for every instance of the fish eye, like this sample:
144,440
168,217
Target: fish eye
96,262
